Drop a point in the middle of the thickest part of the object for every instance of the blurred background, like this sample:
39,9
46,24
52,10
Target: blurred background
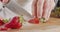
58,4
56,11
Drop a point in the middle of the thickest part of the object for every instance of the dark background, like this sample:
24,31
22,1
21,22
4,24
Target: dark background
58,4
56,11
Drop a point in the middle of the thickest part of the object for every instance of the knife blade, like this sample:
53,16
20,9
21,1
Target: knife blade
16,8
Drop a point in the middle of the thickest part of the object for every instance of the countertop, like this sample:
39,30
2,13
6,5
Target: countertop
53,25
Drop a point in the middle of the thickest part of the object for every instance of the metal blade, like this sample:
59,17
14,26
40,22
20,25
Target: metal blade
16,8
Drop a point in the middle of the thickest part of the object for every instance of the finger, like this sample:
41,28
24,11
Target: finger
40,8
34,8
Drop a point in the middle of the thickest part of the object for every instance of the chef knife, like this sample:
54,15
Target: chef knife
16,8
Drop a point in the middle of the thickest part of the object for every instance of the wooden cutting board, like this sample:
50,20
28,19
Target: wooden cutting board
53,25
51,22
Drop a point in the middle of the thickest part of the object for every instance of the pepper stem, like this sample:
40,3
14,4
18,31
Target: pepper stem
42,20
5,20
21,19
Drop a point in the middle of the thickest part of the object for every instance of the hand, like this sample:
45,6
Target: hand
42,8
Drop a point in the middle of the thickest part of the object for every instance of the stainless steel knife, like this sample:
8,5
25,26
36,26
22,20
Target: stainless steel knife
16,8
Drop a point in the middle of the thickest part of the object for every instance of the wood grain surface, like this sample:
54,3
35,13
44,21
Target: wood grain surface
52,25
